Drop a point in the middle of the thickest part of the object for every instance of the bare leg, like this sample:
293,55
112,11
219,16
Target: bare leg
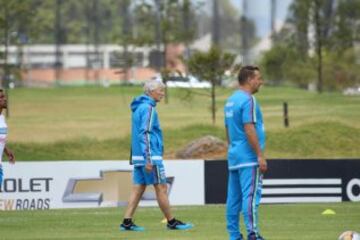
163,200
134,200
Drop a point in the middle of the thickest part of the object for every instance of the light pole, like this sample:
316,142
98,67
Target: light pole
273,18
158,33
58,41
126,33
244,33
216,24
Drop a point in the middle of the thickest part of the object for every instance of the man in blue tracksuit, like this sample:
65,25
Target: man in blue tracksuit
246,160
147,157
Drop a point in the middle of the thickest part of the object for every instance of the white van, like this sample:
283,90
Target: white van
188,81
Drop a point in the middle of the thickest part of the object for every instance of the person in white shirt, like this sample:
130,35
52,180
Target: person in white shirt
3,134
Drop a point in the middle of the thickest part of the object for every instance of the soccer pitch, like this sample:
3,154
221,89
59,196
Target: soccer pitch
277,222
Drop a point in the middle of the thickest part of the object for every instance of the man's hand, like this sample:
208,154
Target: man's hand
148,167
262,164
10,155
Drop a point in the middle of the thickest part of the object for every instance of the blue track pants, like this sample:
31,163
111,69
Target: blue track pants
244,194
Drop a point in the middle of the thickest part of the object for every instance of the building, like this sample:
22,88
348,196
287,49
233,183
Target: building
47,65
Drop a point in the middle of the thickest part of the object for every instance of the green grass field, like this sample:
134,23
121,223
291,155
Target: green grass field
277,222
94,122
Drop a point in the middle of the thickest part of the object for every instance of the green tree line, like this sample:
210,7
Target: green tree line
318,45
79,19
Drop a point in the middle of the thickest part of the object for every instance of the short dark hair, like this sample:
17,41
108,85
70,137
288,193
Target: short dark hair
247,72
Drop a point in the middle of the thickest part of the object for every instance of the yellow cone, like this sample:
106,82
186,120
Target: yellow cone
328,212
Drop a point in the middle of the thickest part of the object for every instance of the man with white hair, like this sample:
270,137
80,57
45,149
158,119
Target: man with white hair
147,157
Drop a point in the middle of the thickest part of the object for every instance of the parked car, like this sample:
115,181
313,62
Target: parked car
189,81
352,91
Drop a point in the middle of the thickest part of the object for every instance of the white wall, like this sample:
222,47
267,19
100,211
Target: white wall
47,185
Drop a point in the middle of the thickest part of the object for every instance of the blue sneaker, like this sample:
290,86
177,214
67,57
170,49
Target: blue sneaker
179,225
131,227
252,236
238,238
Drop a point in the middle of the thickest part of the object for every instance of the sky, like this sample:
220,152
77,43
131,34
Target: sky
259,11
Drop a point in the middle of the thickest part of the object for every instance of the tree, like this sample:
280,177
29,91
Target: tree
341,71
300,19
347,26
272,63
15,15
319,29
171,27
126,37
144,23
228,27
211,66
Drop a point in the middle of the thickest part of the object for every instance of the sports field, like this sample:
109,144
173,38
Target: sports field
277,222
48,115
94,123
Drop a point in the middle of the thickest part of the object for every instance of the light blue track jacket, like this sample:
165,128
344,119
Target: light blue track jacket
147,139
242,108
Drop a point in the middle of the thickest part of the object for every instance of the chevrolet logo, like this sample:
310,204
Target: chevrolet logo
112,188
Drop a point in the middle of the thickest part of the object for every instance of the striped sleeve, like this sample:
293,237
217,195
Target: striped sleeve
249,110
147,118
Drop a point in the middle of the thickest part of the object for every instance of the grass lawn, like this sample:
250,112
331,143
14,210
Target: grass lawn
94,122
277,222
